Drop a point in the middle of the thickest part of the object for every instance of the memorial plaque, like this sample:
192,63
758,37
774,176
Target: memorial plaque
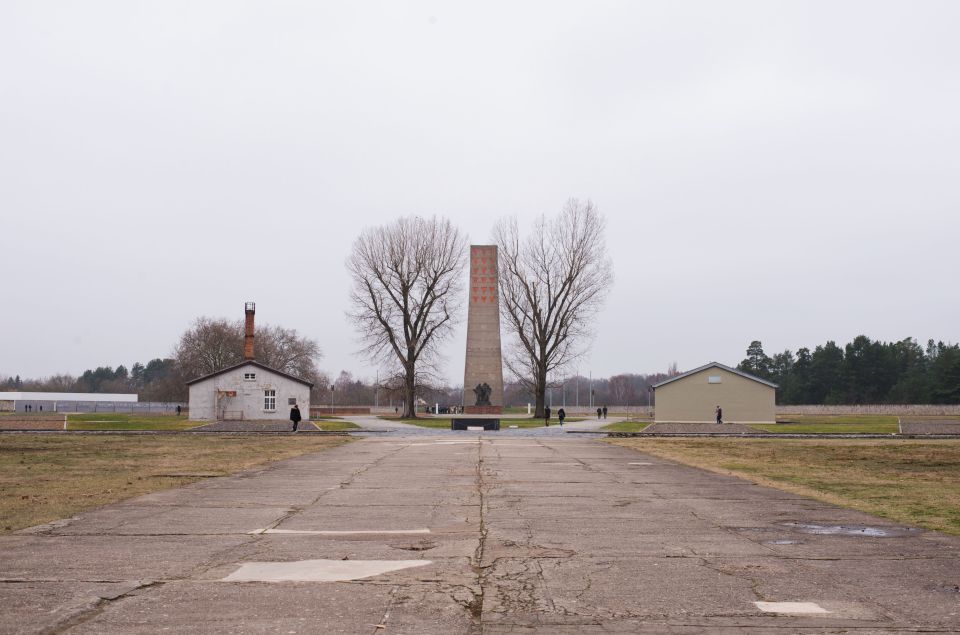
483,375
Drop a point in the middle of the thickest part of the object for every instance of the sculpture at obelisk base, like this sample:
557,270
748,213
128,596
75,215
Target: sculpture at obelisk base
483,373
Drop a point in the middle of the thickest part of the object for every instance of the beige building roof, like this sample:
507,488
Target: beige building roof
716,365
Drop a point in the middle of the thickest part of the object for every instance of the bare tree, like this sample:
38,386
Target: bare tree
551,285
287,351
207,346
406,290
212,344
621,390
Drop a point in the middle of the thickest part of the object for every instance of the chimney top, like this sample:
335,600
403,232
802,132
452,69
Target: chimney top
248,331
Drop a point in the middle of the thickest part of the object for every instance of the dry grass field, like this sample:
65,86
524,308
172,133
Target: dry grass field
910,481
47,477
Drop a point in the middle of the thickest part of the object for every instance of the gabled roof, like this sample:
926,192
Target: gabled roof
717,365
251,362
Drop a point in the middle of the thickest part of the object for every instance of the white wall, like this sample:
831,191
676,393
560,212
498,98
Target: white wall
250,396
69,396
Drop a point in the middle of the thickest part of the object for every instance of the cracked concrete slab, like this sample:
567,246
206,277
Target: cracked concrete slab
318,570
540,535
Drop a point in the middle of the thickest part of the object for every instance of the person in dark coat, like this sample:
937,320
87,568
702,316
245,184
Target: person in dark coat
561,415
599,412
546,416
604,412
719,413
295,416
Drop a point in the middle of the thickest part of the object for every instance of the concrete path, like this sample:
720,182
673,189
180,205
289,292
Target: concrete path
398,428
479,533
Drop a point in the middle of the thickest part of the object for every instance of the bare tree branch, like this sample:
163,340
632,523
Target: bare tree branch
406,293
212,344
551,286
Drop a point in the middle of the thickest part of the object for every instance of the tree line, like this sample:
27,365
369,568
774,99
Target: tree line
864,371
861,372
208,345
157,380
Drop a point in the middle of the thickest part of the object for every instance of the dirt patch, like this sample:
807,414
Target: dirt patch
926,426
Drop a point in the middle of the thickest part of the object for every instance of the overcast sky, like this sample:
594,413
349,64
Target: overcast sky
781,171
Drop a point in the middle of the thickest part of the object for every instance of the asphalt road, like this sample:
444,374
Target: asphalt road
477,533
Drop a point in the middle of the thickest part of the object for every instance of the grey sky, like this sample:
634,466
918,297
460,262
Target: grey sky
782,171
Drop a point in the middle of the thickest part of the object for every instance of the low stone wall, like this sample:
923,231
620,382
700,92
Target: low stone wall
32,423
892,409
482,410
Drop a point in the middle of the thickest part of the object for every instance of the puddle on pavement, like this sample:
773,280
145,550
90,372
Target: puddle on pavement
853,530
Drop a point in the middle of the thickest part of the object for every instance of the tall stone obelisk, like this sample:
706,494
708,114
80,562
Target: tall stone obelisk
483,375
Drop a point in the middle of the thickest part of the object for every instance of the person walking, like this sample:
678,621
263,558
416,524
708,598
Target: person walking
604,412
719,415
599,412
561,415
295,416
546,416
178,410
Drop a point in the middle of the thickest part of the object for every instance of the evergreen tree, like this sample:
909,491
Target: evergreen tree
757,363
796,387
945,374
826,374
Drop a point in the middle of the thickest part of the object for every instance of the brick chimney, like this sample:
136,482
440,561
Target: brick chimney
250,308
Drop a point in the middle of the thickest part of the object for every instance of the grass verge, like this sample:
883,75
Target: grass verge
46,477
626,426
909,481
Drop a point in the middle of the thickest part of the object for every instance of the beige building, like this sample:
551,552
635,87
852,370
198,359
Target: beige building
694,396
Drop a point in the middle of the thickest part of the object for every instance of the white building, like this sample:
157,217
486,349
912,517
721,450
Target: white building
55,401
248,390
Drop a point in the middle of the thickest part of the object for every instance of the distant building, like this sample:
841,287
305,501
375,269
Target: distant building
692,397
60,401
248,390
